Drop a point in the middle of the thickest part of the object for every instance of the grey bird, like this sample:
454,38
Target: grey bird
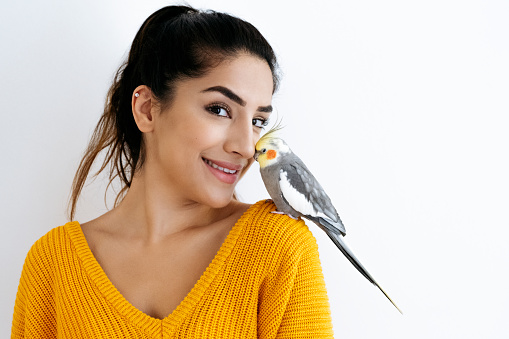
297,193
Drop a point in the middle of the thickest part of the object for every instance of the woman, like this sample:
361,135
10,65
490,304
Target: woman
179,256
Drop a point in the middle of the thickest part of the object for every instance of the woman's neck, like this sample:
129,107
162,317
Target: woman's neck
152,211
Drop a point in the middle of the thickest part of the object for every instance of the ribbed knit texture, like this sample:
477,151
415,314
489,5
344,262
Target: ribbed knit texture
264,282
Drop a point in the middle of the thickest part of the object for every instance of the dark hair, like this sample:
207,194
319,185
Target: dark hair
174,43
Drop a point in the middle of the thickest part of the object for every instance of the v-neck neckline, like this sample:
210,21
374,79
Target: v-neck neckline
122,305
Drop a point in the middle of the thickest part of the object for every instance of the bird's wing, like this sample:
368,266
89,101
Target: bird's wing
304,194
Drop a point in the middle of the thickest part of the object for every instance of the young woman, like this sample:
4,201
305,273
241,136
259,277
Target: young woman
179,256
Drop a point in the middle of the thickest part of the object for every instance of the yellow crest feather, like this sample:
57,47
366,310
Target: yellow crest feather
270,134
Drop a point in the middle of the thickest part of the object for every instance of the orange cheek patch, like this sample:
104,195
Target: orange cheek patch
271,154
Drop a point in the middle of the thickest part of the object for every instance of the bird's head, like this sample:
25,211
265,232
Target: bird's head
270,149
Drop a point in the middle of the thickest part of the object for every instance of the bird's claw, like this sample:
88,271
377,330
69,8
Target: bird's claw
278,212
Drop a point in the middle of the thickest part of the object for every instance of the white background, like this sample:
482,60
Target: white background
400,108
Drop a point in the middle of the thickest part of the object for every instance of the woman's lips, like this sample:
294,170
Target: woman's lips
225,172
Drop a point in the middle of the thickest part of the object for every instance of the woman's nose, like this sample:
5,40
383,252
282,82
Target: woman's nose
240,139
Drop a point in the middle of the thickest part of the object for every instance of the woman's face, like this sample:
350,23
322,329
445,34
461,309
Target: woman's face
204,142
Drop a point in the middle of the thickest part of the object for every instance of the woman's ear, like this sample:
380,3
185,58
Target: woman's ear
142,106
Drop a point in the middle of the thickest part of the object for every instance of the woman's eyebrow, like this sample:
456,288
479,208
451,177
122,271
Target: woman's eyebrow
234,97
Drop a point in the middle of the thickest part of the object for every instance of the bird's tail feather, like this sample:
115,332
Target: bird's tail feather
338,240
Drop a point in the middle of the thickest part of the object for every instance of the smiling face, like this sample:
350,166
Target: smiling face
204,141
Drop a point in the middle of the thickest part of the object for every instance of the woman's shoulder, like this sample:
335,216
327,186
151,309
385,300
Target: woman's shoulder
277,228
52,243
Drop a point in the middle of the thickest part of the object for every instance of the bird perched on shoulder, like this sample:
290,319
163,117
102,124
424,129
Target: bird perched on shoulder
297,193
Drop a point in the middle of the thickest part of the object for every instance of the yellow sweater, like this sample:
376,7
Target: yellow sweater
265,281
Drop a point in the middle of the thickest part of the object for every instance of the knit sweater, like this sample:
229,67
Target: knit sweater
264,282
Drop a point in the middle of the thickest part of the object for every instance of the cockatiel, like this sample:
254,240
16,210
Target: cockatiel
297,193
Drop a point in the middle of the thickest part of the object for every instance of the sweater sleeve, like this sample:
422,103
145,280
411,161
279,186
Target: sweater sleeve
294,302
34,309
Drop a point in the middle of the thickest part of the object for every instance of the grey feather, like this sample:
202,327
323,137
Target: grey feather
324,213
305,183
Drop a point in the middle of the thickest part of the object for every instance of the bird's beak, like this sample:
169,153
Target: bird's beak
256,155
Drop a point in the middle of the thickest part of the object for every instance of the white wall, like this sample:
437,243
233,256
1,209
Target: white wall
399,107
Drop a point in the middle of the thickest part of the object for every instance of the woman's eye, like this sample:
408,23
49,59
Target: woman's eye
261,123
218,110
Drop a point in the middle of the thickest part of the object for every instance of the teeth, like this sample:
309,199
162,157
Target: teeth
226,170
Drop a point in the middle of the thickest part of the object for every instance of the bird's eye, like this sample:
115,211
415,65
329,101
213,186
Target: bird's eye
264,150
